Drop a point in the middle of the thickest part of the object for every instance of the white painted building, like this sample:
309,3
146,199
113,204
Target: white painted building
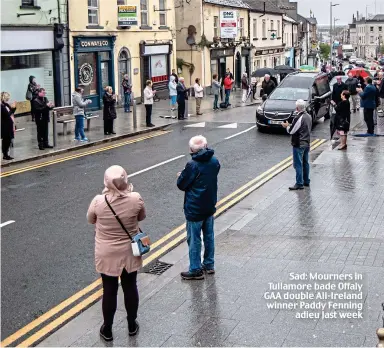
370,36
290,41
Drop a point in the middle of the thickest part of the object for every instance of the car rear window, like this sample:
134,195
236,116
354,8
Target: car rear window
297,82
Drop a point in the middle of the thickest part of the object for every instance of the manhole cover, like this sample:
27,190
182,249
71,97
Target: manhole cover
157,268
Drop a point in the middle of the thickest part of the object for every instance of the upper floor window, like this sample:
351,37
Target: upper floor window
216,26
272,27
380,29
93,12
372,40
162,12
371,29
255,28
278,28
241,27
120,2
264,29
144,12
27,2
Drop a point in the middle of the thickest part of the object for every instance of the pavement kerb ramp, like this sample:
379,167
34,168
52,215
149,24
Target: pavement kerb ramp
85,145
168,247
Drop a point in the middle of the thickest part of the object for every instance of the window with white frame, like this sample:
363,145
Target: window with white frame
272,26
144,12
278,28
216,26
264,29
241,27
380,29
162,13
255,28
93,12
372,40
27,2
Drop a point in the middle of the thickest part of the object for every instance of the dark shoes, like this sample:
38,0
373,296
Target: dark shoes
8,158
199,275
296,187
181,118
151,125
199,113
106,333
208,271
47,146
106,133
306,185
135,330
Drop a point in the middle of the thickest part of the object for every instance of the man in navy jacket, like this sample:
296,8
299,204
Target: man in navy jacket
199,182
368,102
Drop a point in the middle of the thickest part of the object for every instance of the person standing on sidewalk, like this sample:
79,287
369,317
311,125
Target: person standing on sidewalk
199,93
127,90
244,87
79,105
228,83
268,85
216,91
109,111
32,93
7,124
338,88
42,107
381,91
352,83
113,252
172,86
343,118
148,103
300,130
368,102
199,182
175,76
182,96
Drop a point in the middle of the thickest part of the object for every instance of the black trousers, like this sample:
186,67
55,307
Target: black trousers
181,109
131,297
5,145
148,114
368,118
42,132
108,126
32,112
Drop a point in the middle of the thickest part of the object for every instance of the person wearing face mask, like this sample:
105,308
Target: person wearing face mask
7,124
42,107
352,83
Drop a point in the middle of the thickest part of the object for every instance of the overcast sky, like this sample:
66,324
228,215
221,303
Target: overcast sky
344,11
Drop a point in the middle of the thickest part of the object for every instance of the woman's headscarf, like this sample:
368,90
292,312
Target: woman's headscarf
116,183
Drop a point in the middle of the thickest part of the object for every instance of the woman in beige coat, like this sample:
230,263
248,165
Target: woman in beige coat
113,251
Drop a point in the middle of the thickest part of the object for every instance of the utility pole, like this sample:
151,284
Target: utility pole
330,22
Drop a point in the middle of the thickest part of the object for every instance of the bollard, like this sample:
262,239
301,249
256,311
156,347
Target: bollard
134,114
54,126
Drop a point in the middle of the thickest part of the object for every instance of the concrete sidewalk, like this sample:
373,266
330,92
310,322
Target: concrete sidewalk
333,228
25,143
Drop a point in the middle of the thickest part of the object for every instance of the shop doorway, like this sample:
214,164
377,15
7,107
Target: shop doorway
238,70
124,68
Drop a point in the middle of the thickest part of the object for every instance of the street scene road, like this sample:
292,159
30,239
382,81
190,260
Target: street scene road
50,243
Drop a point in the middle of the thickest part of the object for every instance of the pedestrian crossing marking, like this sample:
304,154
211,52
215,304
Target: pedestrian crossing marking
230,125
196,125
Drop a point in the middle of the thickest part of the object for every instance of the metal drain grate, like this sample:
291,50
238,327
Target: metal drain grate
157,268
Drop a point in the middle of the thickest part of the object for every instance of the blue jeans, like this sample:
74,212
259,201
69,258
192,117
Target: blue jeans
127,102
79,127
227,94
301,165
194,229
215,102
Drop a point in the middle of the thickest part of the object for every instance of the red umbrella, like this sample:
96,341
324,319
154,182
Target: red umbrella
363,72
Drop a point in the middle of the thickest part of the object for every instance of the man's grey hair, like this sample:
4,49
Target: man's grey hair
197,143
300,105
181,78
267,75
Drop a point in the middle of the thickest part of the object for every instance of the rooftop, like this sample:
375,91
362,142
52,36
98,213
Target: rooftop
230,3
288,19
312,20
258,5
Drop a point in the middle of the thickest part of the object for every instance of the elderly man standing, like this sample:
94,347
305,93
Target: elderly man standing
199,182
182,96
300,130
268,85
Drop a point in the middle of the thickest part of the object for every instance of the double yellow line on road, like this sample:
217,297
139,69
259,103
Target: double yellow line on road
82,154
222,206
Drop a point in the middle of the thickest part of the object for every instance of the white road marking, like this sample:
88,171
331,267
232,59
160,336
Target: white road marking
244,131
230,125
155,166
197,125
6,223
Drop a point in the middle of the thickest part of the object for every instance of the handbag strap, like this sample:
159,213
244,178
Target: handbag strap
117,217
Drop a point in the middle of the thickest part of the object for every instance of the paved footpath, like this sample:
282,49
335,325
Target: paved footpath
334,229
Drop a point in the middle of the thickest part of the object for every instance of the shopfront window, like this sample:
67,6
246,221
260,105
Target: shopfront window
87,72
144,12
93,12
159,68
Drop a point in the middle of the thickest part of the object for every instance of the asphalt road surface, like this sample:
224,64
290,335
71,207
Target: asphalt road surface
48,252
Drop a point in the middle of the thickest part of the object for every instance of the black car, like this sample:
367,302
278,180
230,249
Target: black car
280,105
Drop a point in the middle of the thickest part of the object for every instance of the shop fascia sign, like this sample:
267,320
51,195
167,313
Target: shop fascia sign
94,43
127,15
228,24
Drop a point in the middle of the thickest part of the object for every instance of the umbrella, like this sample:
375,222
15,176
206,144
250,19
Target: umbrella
348,67
262,71
307,67
284,69
363,72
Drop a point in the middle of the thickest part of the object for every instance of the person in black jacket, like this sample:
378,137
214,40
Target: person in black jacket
109,111
268,85
42,106
343,118
7,124
32,93
338,88
182,96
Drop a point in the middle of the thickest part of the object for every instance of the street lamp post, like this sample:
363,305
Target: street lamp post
330,29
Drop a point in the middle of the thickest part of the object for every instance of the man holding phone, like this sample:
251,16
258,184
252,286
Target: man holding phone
300,130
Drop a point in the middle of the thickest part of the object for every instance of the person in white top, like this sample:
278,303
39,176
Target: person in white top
148,102
199,93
